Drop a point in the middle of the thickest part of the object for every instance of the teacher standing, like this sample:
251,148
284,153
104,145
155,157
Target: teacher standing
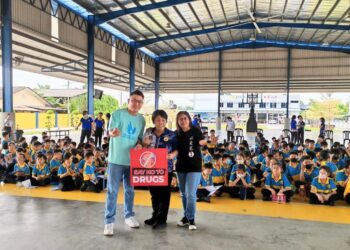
188,166
126,131
161,137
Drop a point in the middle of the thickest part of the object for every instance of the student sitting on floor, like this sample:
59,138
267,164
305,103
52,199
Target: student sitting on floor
323,189
276,183
90,183
342,179
218,174
35,149
325,161
55,163
21,171
67,174
41,172
206,181
207,158
240,184
293,168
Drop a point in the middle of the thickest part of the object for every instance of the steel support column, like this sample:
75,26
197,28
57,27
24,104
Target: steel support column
132,68
218,122
90,64
6,46
288,80
156,86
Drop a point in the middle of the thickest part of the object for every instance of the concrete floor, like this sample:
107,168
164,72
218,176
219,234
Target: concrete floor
34,223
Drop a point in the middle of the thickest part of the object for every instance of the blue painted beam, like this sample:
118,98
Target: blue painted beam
219,85
247,25
6,47
156,86
105,17
253,44
90,65
132,68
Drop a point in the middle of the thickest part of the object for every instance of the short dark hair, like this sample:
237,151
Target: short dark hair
137,92
85,112
41,155
5,134
161,113
89,154
208,165
57,150
67,156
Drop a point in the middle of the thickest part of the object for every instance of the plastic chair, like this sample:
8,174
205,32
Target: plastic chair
239,135
286,134
328,135
346,136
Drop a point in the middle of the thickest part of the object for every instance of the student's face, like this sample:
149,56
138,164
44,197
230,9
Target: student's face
323,174
231,146
135,103
40,161
58,156
239,172
183,121
89,160
207,171
12,148
68,162
219,162
160,123
276,169
20,158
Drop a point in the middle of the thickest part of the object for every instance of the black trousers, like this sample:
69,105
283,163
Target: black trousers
202,193
85,133
340,193
294,136
160,197
230,137
98,137
301,136
242,192
267,194
314,199
68,184
11,178
43,182
89,186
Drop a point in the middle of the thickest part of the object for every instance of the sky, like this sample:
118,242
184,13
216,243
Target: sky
28,79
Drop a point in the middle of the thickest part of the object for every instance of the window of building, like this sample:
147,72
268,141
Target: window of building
295,101
221,104
241,105
283,105
273,105
262,105
230,104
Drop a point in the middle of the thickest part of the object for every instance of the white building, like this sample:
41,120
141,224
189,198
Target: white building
271,109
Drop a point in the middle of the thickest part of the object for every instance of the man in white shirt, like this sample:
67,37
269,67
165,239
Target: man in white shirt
230,128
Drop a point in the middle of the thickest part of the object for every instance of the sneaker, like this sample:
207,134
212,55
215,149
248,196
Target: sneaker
132,222
183,222
192,226
108,229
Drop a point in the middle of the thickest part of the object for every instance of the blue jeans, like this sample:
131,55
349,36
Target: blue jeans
115,174
188,185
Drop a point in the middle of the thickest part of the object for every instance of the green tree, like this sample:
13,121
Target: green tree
328,108
49,119
107,104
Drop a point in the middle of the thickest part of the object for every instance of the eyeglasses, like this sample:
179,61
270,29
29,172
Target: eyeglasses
136,101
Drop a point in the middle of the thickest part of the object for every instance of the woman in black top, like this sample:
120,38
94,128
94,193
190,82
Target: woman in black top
188,165
322,126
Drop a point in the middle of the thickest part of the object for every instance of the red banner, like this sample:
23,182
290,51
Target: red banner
149,167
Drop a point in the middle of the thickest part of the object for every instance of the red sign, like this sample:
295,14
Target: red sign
149,167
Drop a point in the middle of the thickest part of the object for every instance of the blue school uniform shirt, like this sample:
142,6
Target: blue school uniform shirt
232,152
86,123
89,170
293,124
25,169
341,177
206,181
45,151
261,159
43,171
247,178
281,182
219,175
54,163
318,187
293,172
266,169
62,169
81,164
207,158
309,176
332,167
99,123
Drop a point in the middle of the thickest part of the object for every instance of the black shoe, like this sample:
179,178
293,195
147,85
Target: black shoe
206,199
150,221
158,224
183,222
